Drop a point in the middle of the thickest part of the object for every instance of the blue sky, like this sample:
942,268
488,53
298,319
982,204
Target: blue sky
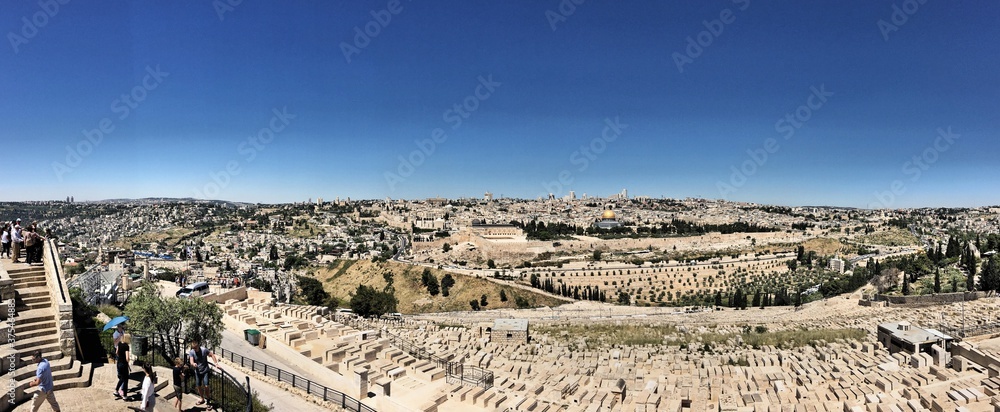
262,105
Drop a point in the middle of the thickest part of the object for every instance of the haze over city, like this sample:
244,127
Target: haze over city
839,103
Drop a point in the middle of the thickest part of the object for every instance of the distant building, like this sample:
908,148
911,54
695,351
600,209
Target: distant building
608,220
904,337
488,197
491,231
837,265
509,331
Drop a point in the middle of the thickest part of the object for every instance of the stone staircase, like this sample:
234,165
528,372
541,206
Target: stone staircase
36,327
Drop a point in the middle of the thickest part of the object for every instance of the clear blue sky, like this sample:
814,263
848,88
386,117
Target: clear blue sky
221,80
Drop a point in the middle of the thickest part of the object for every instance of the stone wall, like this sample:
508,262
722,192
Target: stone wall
60,298
935,299
239,293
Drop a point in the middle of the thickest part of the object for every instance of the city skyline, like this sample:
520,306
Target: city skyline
853,104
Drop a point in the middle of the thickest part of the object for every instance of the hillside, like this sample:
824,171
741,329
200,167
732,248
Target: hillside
341,278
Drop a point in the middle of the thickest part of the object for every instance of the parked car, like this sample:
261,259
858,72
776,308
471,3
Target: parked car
193,290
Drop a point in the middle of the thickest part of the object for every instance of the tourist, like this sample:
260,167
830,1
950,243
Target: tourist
6,241
43,380
198,357
148,388
39,242
122,356
179,376
33,244
119,334
17,240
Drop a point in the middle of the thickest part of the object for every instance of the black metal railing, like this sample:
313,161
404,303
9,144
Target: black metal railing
227,392
310,387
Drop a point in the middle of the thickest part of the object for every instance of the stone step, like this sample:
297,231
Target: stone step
33,333
36,302
26,276
22,344
46,324
27,317
25,293
32,306
28,371
24,357
81,380
30,283
25,269
76,376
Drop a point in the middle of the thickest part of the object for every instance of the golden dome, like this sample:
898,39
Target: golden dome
608,215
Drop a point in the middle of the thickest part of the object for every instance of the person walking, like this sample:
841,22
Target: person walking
179,375
148,388
122,355
43,380
198,357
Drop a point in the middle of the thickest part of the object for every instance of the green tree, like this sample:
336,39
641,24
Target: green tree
597,255
483,302
446,248
368,302
273,254
446,283
718,298
474,304
503,295
433,287
756,299
624,298
188,319
990,277
937,280
491,264
312,291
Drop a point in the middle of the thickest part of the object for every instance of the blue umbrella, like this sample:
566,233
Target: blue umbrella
114,322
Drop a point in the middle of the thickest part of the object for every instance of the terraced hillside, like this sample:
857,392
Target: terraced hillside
342,278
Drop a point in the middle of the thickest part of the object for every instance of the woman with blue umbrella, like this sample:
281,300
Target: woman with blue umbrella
121,354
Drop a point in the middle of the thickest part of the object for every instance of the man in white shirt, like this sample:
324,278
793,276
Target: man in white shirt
17,239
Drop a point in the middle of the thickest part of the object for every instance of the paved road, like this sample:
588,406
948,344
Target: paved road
282,399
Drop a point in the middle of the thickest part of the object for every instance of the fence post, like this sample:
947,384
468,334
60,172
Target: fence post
249,396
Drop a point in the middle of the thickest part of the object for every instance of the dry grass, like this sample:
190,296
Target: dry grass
892,237
167,237
823,246
342,278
